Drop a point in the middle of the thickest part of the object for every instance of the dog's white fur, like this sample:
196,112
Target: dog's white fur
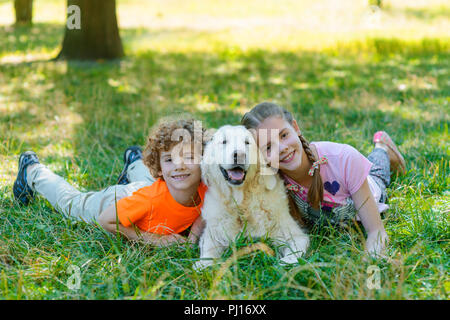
260,203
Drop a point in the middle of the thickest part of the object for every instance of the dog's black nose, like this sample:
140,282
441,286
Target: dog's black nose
238,157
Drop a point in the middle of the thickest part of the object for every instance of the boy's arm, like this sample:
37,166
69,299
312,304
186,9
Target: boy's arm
377,237
108,220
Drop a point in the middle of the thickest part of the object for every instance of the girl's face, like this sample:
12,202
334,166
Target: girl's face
279,143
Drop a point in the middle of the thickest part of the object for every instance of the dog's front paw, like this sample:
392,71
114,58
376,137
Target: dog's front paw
289,259
202,264
302,245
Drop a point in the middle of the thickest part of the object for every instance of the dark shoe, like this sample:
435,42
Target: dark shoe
22,192
130,155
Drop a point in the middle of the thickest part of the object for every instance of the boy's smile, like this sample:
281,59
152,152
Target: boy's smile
180,177
181,173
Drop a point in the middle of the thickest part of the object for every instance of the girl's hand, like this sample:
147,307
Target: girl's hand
376,243
370,217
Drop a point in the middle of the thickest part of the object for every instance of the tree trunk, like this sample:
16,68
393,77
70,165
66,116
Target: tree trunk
378,3
24,11
97,35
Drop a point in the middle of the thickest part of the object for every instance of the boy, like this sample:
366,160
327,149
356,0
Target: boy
160,209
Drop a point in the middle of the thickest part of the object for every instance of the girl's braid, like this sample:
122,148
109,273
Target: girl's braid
315,192
308,151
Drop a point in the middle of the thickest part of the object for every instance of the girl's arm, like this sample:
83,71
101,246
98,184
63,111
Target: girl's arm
109,222
377,237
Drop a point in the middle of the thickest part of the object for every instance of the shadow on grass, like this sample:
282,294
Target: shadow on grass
425,14
98,109
38,37
49,36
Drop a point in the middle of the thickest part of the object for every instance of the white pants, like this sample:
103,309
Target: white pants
85,206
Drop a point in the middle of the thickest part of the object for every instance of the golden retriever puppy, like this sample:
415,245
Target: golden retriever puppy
244,194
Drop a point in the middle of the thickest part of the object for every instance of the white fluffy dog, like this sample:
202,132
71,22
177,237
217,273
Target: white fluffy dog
240,198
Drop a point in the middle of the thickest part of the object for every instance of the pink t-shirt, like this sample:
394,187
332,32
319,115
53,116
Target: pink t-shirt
343,174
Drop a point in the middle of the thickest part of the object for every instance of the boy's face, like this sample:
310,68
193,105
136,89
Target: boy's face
180,166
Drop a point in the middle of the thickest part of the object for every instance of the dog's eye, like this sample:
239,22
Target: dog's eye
247,142
224,142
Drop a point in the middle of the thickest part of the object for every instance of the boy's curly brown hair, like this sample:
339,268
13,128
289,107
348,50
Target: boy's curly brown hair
161,139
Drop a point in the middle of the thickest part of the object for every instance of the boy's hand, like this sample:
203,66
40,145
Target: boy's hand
196,230
170,239
376,243
192,238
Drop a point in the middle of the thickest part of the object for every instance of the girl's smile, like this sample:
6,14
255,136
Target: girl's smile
282,150
288,158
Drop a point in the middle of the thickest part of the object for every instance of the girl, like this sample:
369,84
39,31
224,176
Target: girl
328,182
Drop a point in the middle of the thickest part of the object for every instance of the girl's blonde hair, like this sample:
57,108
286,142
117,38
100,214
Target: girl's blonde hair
264,110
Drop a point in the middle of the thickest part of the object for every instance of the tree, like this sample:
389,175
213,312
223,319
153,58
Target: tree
91,31
24,11
378,3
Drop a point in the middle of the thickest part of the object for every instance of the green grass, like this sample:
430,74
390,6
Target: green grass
79,117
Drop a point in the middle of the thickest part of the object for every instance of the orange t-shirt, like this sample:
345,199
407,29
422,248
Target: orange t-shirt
153,209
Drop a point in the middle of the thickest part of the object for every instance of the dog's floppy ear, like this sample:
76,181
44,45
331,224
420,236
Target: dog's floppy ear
254,133
205,165
209,133
269,180
205,177
267,175
211,174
